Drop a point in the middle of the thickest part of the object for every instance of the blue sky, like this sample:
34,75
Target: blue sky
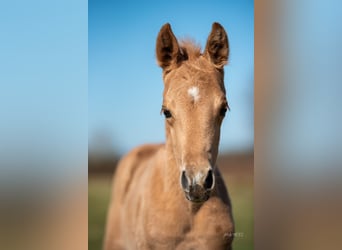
43,96
125,83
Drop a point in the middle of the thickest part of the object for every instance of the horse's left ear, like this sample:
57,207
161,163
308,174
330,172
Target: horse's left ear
217,47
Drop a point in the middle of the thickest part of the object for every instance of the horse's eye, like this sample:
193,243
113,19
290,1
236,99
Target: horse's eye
223,111
167,113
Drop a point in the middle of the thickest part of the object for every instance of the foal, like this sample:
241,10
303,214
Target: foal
172,196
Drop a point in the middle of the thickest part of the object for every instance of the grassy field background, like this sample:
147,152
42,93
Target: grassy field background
238,174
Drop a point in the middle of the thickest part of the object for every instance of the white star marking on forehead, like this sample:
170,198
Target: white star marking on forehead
194,93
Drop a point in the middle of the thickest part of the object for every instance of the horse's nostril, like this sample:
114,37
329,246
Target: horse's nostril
209,180
184,181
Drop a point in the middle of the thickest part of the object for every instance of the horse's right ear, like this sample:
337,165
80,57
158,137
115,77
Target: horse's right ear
167,49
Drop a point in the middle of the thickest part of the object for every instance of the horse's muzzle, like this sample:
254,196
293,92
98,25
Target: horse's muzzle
197,190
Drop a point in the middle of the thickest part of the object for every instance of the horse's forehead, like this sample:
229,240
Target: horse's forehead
196,88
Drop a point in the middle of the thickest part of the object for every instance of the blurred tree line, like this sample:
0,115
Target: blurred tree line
102,154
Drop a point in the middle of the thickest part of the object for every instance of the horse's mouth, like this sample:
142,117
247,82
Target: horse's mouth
197,198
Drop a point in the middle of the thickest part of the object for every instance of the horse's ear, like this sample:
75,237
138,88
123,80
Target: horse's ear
167,49
217,47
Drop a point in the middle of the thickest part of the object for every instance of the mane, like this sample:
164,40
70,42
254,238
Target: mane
190,48
191,52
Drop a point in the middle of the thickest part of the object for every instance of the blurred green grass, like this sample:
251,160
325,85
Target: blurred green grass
241,194
98,199
240,187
